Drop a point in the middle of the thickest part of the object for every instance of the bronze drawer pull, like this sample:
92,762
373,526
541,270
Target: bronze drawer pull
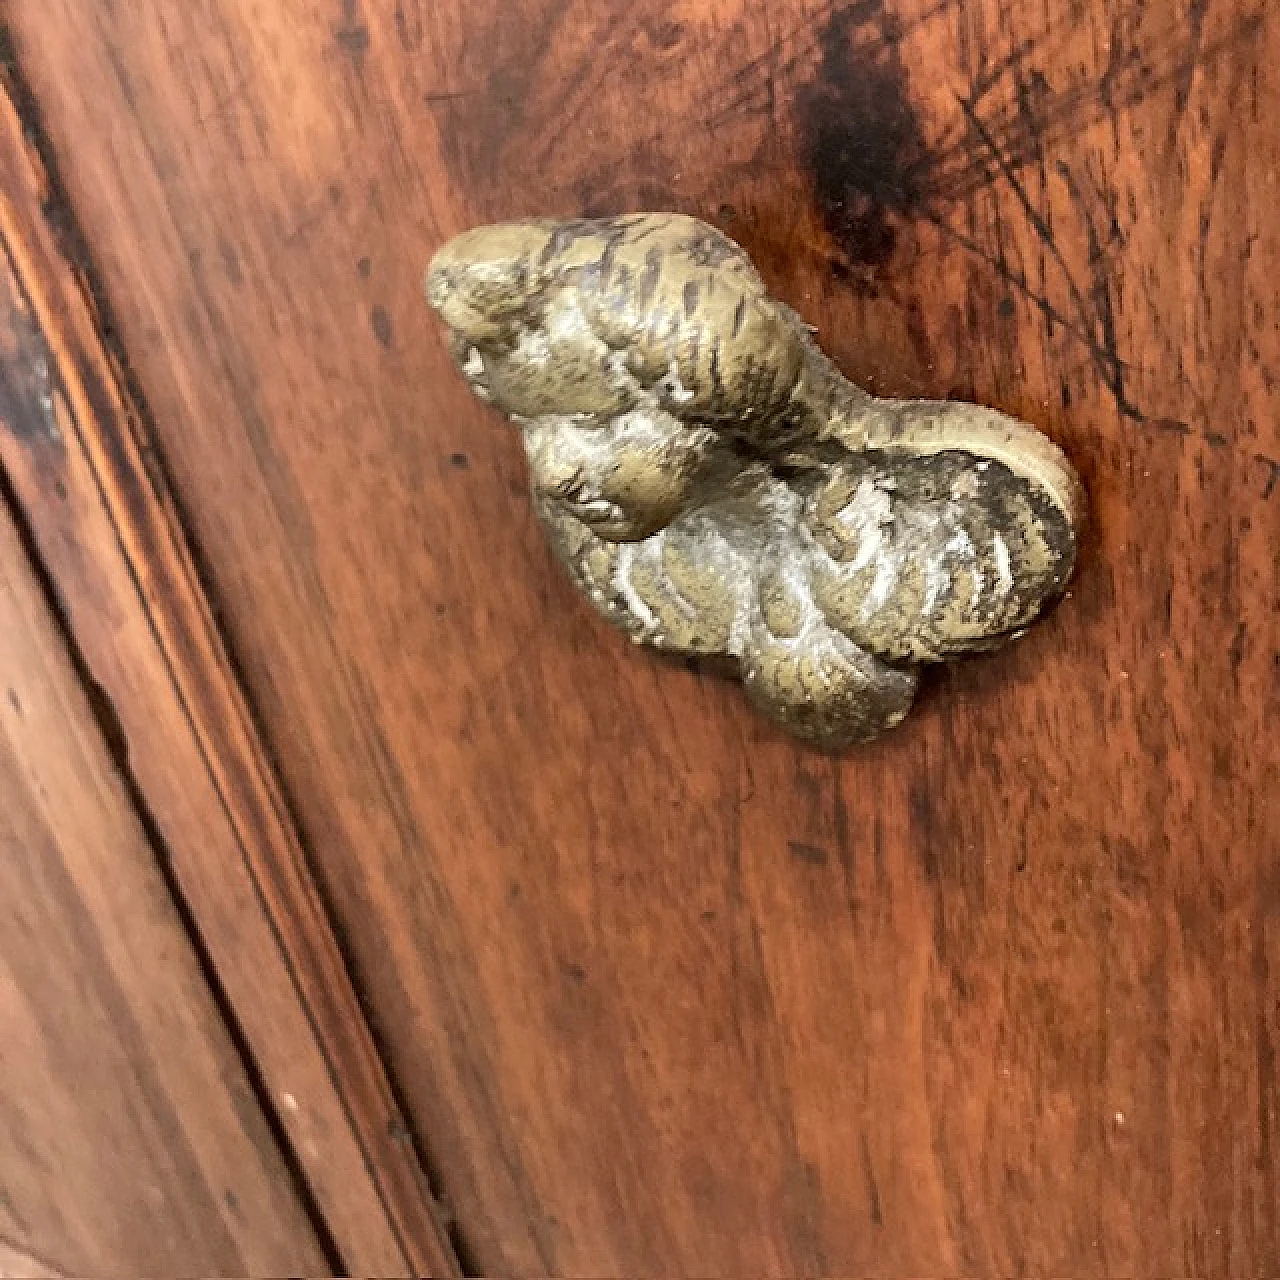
715,486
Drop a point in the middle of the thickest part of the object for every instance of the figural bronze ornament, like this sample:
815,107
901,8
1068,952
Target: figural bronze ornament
715,486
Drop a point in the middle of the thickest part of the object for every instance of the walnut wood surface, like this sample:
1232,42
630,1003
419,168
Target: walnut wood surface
664,991
130,1139
103,522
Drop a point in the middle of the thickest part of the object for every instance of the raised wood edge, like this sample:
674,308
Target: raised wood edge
75,459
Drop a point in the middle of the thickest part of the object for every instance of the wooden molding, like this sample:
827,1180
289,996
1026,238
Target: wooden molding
75,456
133,1145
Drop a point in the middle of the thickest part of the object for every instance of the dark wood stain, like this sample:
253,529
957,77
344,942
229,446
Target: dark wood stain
806,852
28,373
861,140
352,36
380,322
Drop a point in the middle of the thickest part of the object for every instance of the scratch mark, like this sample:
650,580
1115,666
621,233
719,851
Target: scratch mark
873,1189
449,95
1111,368
1185,74
809,853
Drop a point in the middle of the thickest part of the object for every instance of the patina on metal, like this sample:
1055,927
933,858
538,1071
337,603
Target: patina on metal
715,486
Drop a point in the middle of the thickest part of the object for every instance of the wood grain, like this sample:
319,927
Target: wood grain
99,510
130,1140
664,991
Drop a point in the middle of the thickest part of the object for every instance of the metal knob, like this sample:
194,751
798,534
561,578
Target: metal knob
715,486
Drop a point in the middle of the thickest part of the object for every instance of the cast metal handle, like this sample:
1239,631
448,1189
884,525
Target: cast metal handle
714,485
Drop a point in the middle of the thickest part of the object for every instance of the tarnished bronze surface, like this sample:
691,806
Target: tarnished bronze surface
715,485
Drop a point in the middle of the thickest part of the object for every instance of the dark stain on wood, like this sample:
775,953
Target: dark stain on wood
380,321
352,36
862,143
805,852
28,370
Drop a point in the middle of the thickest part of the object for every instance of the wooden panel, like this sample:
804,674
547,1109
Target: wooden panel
100,512
130,1140
665,991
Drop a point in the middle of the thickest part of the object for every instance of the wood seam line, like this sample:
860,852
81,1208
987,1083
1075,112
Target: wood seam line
102,709
152,545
